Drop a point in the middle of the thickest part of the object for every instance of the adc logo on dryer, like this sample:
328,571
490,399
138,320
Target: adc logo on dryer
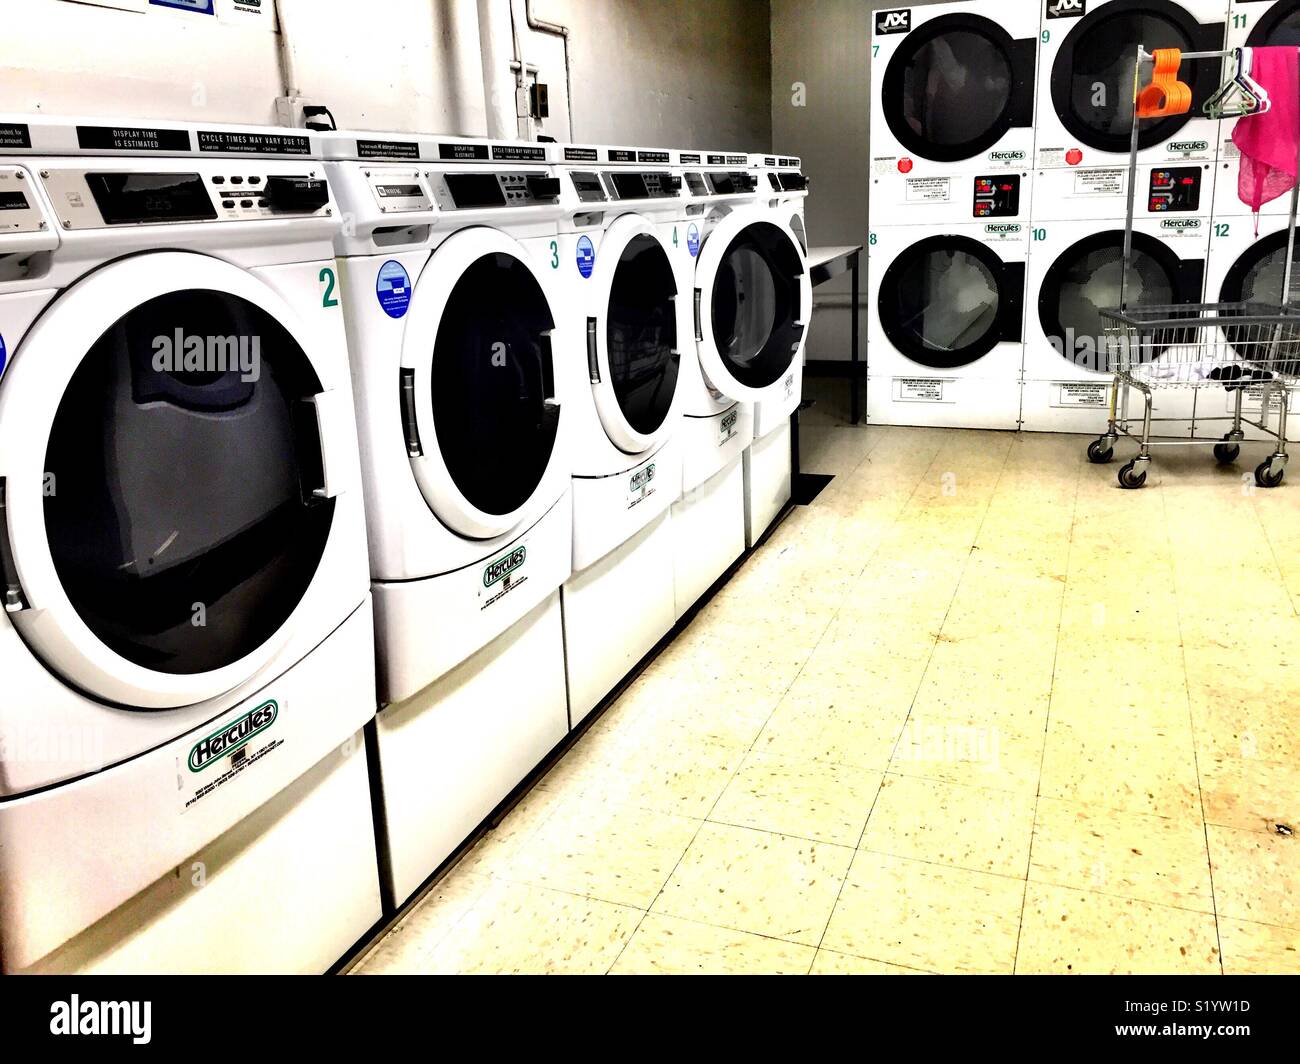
1067,8
230,737
894,21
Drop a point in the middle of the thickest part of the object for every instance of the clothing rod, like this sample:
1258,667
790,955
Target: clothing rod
1147,57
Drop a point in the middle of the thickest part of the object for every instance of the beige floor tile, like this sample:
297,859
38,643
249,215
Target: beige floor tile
754,881
828,962
1150,858
974,751
1120,683
979,829
406,948
926,916
1243,706
683,777
1252,795
991,679
810,799
493,853
666,945
799,730
1258,949
1074,932
1255,876
1138,771
617,853
515,928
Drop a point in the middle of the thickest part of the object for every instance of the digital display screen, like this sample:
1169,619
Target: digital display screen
13,201
475,190
630,186
399,191
127,198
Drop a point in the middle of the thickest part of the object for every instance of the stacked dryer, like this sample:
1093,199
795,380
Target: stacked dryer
458,332
951,144
1080,199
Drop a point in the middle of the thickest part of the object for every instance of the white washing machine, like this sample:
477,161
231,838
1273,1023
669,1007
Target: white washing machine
1085,83
947,308
457,330
1076,269
1252,24
187,629
1243,268
952,93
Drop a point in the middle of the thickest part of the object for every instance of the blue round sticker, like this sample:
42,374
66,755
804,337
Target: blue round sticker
693,239
586,256
393,288
3,354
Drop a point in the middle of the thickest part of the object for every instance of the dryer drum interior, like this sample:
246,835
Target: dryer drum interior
492,379
947,301
641,334
757,317
955,85
1086,279
174,485
1092,78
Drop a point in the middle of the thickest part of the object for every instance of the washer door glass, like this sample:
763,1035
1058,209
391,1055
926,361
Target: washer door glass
755,305
941,302
491,377
178,507
641,334
1093,78
947,92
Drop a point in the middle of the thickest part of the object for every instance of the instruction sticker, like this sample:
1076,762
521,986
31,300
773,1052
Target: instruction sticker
920,389
1253,399
693,239
132,138
388,149
1108,182
224,754
393,289
1080,393
586,256
15,135
927,190
231,142
581,155
728,426
641,485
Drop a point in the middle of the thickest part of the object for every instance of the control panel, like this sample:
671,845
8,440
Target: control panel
793,181
398,190
19,210
483,191
731,183
696,185
997,196
633,185
588,186
1175,189
106,196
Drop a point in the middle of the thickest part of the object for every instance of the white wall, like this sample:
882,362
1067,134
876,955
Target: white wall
657,72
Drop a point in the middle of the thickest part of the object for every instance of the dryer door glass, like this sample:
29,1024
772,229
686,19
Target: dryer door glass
641,334
757,319
493,384
1092,81
947,92
1278,26
178,506
941,302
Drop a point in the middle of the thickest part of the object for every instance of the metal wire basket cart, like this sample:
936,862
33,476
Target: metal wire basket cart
1244,349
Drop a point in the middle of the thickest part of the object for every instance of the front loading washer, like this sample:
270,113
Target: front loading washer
952,93
626,276
1085,84
187,641
458,333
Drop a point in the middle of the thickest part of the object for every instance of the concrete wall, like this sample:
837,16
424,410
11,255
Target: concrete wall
658,72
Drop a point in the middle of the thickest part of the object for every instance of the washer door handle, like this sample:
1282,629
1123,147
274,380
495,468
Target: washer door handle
593,360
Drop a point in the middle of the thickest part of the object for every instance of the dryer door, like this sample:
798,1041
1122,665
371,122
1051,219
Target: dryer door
1086,279
163,483
477,384
955,85
1092,78
947,301
633,357
1279,25
1257,278
753,299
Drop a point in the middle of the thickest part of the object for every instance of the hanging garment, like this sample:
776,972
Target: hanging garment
1269,142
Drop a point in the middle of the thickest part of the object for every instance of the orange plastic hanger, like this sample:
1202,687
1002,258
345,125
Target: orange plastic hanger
1166,95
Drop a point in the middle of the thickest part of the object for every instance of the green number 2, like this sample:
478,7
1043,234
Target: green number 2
555,255
328,279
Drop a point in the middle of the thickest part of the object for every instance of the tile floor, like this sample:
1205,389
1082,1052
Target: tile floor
974,710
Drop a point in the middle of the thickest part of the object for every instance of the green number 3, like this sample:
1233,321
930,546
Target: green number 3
328,279
555,255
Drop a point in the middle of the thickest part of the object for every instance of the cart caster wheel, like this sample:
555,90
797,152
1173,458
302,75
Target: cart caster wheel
1100,451
1265,477
1226,453
1130,479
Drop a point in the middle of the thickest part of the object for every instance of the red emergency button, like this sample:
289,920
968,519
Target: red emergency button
905,166
1074,156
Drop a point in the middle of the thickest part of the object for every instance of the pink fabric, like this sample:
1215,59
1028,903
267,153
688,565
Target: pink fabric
1269,142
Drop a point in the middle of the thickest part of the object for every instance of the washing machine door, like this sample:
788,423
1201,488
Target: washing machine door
633,357
477,386
1278,26
165,486
753,298
947,301
1092,77
956,85
1086,279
